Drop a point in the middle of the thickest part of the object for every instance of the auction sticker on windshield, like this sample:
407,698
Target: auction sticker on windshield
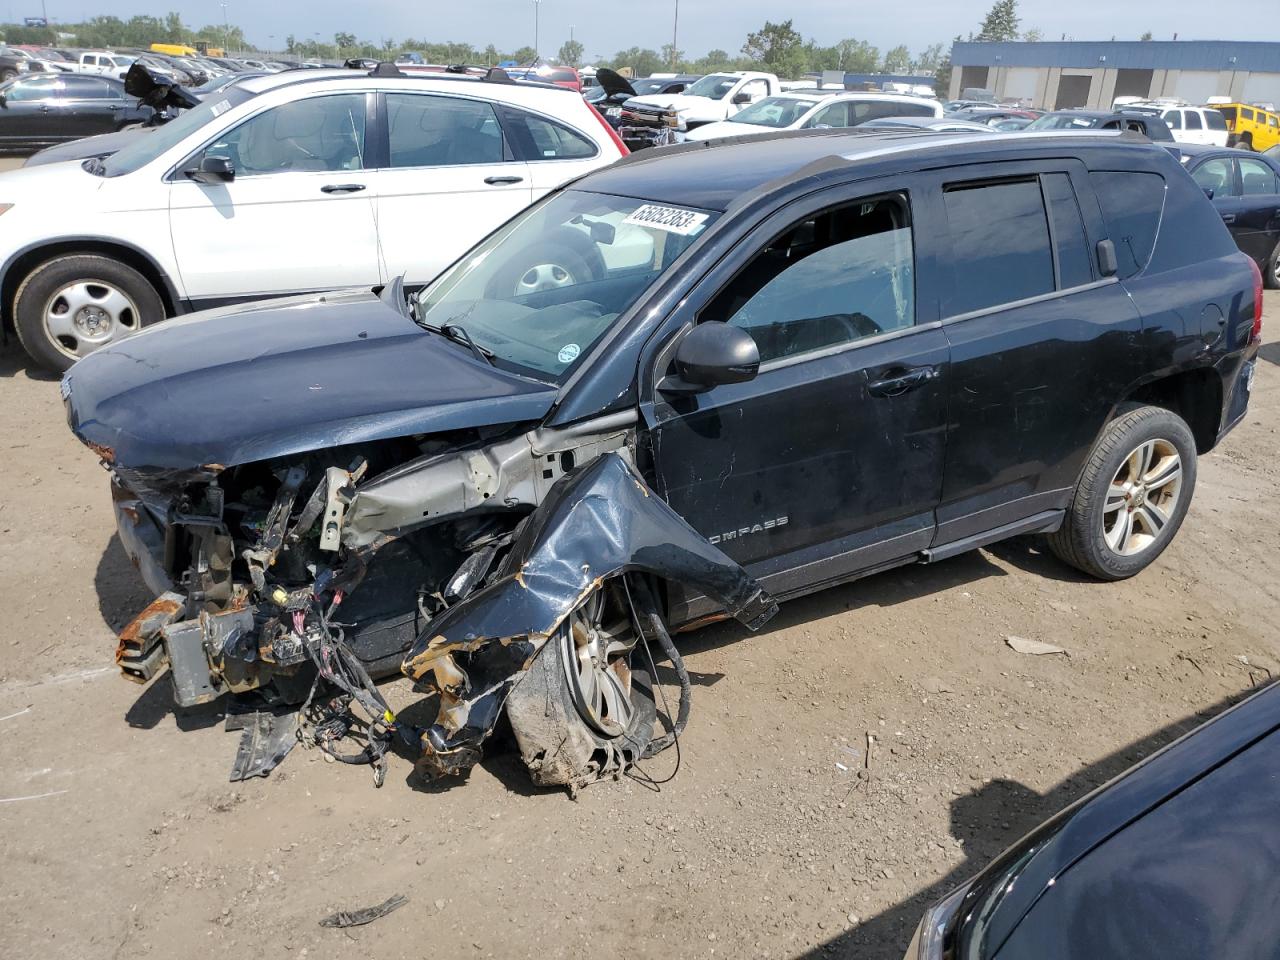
568,353
671,219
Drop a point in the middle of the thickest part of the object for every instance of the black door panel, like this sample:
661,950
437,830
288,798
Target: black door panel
806,455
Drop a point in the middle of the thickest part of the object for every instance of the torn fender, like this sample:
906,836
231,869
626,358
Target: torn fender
597,523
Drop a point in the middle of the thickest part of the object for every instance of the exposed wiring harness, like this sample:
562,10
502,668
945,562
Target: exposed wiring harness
648,620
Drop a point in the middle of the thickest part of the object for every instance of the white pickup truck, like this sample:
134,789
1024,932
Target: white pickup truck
665,117
103,63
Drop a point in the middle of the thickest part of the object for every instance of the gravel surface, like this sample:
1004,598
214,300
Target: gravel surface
872,746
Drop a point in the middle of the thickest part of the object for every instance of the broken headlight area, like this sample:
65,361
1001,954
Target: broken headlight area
515,571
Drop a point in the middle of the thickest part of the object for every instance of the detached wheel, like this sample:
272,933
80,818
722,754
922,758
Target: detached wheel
1132,495
581,713
72,305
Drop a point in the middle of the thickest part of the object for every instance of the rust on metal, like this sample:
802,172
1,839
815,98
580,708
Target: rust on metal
135,638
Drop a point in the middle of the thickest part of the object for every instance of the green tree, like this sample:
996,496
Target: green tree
897,60
525,55
672,57
571,52
344,40
1001,22
291,43
1034,35
1145,36
773,44
857,56
641,61
928,61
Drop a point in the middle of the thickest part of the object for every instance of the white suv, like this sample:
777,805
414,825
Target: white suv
1196,125
289,183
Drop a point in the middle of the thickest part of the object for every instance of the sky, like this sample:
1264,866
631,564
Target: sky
605,27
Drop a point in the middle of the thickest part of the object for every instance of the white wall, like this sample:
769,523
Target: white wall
1020,82
1196,86
1262,87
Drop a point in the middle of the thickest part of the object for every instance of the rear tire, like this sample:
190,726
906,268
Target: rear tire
1131,497
71,305
7,75
1271,272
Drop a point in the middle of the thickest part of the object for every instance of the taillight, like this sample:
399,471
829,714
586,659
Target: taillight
613,134
1255,335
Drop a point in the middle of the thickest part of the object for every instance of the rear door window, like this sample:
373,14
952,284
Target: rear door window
1215,120
1000,244
1193,120
433,131
87,88
1256,178
1131,206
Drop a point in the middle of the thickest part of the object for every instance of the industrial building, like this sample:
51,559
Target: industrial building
1059,75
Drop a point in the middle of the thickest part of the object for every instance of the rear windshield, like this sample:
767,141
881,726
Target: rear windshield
1131,204
563,76
1214,119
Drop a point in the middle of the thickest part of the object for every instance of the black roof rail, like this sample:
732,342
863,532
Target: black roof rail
386,69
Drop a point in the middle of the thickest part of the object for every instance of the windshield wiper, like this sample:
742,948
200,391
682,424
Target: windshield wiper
458,334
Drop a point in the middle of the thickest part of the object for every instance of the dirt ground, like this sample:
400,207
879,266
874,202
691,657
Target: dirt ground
122,837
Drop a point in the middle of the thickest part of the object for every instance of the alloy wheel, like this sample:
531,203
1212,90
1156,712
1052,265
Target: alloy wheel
595,663
87,314
1142,497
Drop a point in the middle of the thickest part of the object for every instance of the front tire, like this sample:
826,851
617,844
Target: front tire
71,305
581,713
1131,497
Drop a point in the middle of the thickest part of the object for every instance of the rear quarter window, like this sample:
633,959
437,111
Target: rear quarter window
1132,204
1214,120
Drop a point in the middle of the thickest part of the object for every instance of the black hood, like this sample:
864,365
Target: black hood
251,383
156,90
614,83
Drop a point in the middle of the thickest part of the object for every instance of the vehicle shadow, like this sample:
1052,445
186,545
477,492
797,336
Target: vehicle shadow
989,820
155,703
1270,352
119,587
899,585
15,363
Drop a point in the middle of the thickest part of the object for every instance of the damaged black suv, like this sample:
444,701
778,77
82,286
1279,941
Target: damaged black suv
681,387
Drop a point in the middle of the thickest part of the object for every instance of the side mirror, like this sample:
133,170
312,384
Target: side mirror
712,354
742,97
1108,266
1208,192
213,170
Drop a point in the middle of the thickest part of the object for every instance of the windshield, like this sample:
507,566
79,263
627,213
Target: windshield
773,112
1061,121
145,149
714,85
648,85
541,291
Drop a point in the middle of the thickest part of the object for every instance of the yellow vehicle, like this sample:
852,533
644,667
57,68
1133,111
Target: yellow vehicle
1249,127
174,49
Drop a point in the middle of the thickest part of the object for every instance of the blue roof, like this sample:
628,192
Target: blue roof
1244,55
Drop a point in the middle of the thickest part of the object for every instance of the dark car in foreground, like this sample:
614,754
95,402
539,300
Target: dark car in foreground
1149,125
39,110
690,385
1245,188
1176,858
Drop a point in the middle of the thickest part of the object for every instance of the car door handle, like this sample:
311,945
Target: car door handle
499,181
1228,218
342,188
901,380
